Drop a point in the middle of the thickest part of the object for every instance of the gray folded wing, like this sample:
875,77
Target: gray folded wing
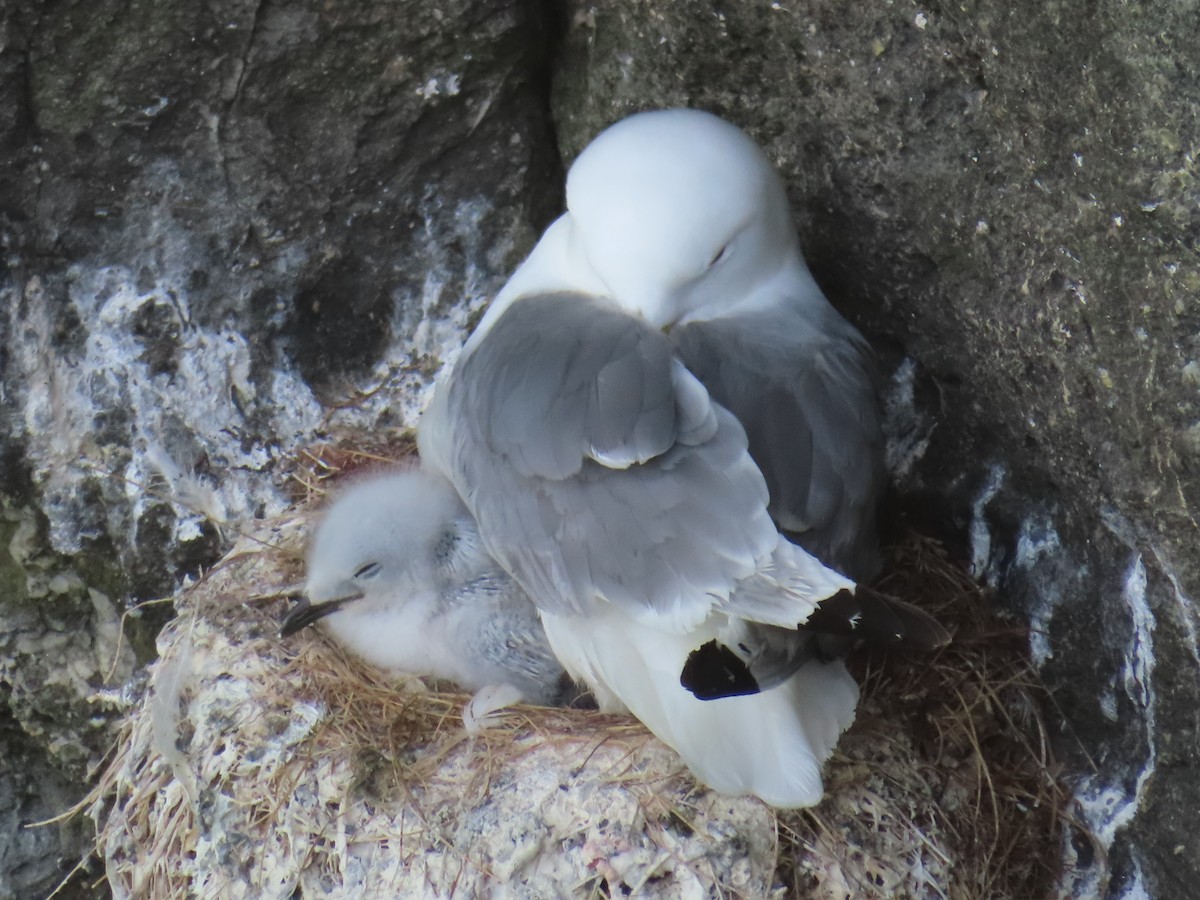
597,468
805,392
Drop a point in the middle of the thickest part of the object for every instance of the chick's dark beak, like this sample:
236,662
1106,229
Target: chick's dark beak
305,613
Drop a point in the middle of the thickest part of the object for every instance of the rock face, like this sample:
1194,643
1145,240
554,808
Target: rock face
221,223
231,227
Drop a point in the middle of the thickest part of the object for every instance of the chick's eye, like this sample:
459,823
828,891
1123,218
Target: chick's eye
721,254
370,570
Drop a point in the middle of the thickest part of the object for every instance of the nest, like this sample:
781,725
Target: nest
257,767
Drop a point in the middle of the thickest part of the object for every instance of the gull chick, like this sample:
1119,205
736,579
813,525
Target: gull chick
398,575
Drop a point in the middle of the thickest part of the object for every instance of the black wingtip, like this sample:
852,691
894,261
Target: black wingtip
875,618
860,614
714,671
922,631
919,630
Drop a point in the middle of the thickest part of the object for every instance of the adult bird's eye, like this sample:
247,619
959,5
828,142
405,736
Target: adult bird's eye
370,570
721,254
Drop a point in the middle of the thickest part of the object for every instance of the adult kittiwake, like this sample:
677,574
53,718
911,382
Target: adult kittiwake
398,575
656,397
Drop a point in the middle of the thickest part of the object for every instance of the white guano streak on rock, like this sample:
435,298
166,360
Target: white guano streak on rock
212,369
1106,808
207,396
981,537
1189,613
68,392
1037,540
1136,889
442,328
1109,808
908,430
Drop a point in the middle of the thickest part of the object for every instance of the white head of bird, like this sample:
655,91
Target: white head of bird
380,563
363,547
676,215
680,215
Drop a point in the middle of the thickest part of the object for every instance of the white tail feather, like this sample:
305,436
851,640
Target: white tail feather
770,744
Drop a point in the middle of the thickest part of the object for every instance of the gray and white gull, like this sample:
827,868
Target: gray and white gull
659,399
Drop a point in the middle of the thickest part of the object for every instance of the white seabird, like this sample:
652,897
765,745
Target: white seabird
397,574
680,218
658,387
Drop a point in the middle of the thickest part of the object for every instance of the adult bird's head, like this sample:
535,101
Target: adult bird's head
395,539
680,215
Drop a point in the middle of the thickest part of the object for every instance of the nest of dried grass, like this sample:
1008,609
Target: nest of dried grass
255,767
962,727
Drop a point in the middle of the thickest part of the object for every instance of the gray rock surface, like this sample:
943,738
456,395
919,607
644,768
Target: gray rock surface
221,223
230,227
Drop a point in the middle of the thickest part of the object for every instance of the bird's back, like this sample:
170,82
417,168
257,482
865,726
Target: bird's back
804,387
